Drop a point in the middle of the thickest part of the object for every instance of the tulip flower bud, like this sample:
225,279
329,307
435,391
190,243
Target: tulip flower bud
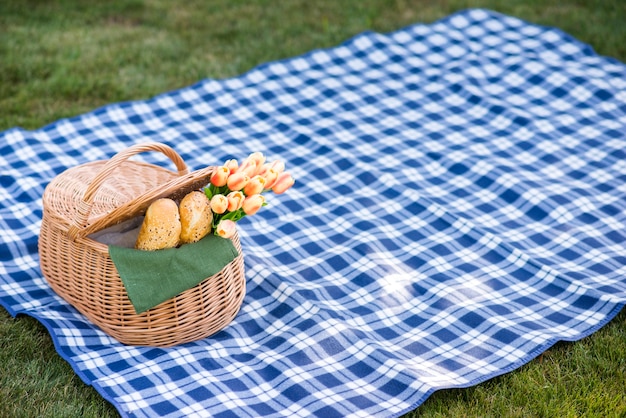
258,158
232,165
270,177
219,203
245,163
283,183
249,168
219,176
235,200
252,204
254,186
278,166
226,228
263,170
237,181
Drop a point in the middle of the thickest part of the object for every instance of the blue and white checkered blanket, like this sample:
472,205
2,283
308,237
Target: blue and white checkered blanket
459,208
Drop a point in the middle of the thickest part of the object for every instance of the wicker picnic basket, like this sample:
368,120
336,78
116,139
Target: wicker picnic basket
93,196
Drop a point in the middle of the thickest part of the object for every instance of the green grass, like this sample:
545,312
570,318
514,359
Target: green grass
582,379
35,381
66,57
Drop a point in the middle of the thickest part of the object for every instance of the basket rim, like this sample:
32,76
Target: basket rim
81,222
173,189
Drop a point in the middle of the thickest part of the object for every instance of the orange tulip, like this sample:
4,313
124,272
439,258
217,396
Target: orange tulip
226,228
219,176
235,200
219,203
249,167
232,165
258,158
252,204
278,166
283,183
270,177
254,186
237,181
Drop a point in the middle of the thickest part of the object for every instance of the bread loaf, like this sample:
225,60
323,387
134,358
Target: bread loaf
161,226
195,217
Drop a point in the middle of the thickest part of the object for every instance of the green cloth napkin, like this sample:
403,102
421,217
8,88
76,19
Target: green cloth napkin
152,277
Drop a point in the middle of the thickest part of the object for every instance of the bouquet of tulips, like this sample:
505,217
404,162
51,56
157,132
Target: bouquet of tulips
236,190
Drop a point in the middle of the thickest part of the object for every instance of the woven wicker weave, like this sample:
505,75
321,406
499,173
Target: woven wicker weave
88,198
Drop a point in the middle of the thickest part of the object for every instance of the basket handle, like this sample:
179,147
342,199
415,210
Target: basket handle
86,204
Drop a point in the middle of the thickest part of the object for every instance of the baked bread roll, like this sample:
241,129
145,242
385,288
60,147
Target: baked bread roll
195,217
161,226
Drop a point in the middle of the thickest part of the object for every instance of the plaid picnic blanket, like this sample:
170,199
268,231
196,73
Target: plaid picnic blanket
459,208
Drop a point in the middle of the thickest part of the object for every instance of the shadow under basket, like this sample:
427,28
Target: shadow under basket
93,196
